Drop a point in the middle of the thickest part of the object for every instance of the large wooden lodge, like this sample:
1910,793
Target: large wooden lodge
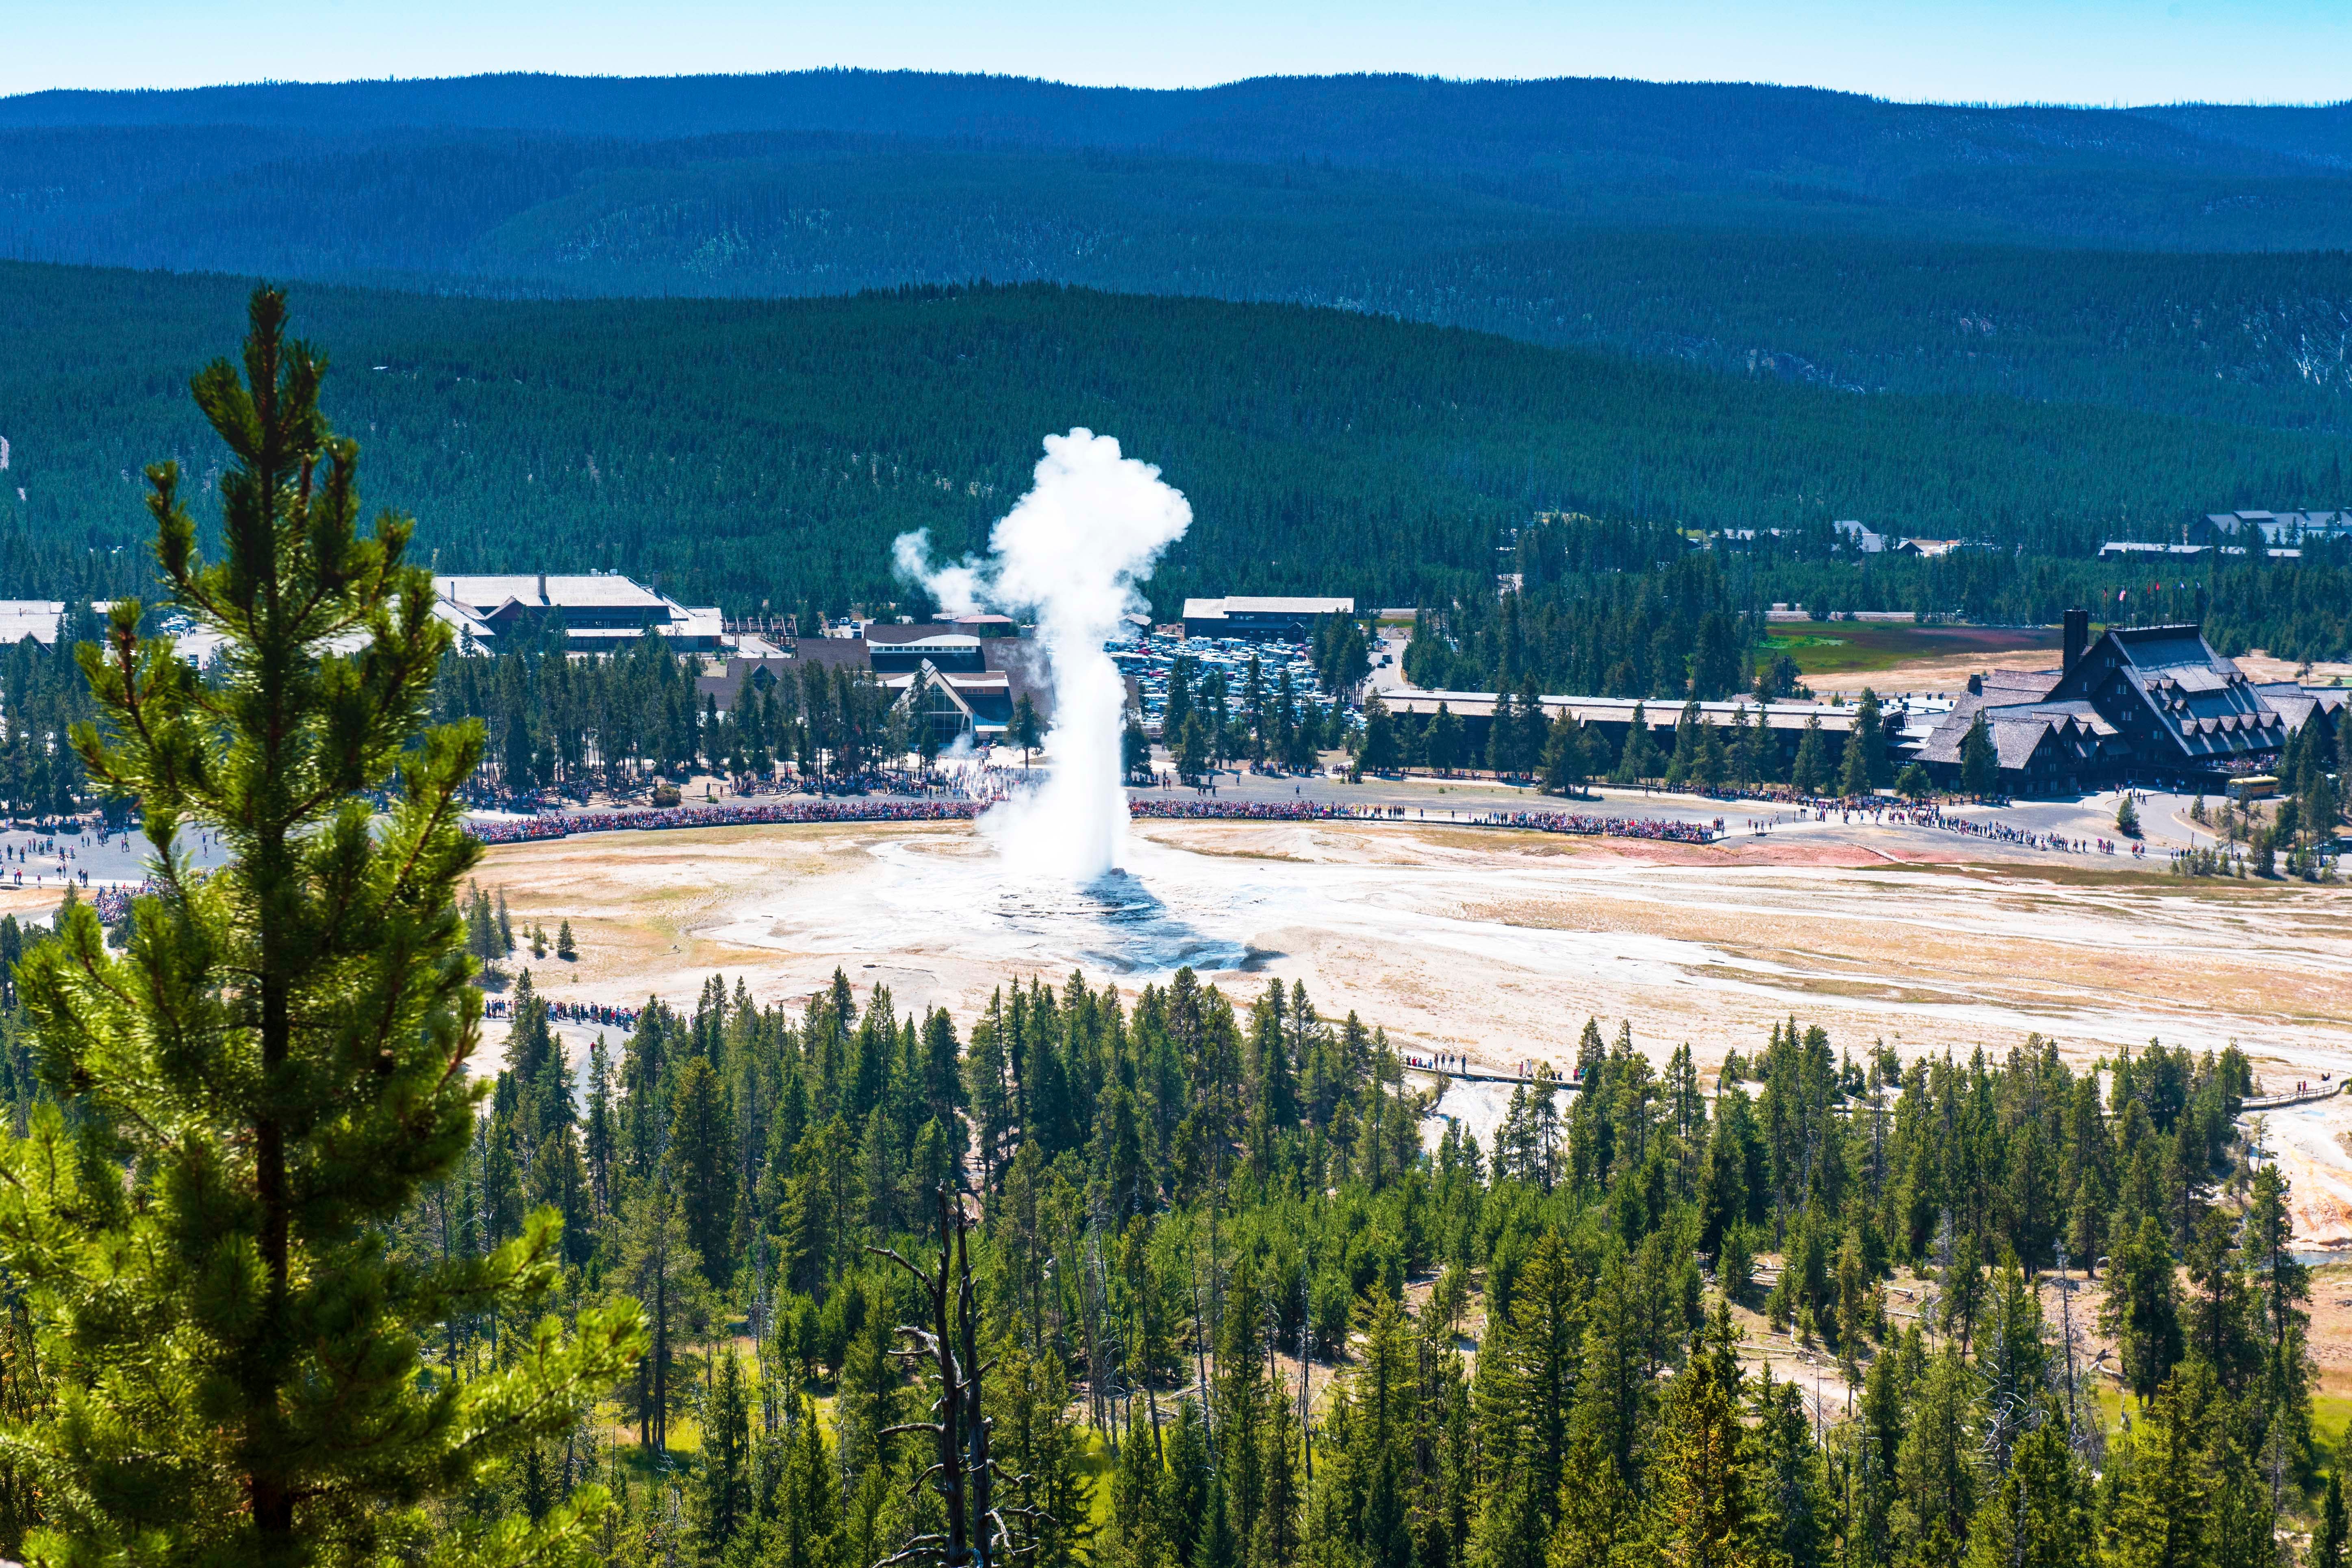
2153,706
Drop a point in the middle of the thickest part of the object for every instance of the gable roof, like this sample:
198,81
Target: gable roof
2071,732
2168,689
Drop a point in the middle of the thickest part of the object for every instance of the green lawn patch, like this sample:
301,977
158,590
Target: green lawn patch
1838,648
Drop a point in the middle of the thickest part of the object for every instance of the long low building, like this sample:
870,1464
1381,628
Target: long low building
33,618
598,612
1612,716
2271,527
962,678
1287,619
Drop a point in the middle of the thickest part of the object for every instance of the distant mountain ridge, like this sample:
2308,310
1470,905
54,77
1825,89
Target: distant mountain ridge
1368,120
2189,259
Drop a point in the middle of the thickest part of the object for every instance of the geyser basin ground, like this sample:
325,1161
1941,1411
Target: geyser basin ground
1492,943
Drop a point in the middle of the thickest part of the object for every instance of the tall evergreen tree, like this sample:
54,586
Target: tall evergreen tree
1563,754
277,1059
658,1262
2141,1309
722,1502
1638,761
1136,1537
702,1153
2161,1481
1980,770
809,1501
1806,775
1864,756
2040,1516
1702,1510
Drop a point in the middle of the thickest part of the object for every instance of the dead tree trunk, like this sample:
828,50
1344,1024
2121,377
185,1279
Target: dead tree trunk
963,1474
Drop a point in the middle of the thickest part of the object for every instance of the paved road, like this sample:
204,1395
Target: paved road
33,856
1389,677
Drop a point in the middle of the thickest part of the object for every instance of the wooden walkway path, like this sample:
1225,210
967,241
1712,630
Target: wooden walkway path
2281,1102
2245,1107
1474,1077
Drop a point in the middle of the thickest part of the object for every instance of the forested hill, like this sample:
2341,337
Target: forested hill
749,450
1761,231
2254,337
2237,178
1517,127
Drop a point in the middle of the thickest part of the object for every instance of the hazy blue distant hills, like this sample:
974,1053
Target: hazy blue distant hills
2185,259
484,150
1386,122
2165,177
2319,133
1838,292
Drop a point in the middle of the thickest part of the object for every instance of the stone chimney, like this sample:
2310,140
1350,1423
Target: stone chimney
2077,638
543,596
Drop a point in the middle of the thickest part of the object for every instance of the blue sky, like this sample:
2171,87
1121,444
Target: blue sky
2079,51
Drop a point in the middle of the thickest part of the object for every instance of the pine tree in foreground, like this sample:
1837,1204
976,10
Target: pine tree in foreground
277,1061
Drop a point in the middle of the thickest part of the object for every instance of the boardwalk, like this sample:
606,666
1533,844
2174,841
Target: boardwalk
1473,1076
2311,1096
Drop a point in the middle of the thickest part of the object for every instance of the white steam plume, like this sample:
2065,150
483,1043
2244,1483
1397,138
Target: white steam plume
1070,552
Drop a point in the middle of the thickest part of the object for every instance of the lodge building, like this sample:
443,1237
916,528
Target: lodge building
1613,718
961,678
2153,706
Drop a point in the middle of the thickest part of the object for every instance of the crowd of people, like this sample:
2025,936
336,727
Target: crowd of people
1916,814
114,904
957,780
524,829
621,1018
40,852
950,778
2027,838
1454,1064
1301,810
967,794
1669,828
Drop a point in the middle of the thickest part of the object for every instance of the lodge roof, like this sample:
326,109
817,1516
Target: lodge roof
1217,609
1659,711
598,590
2156,695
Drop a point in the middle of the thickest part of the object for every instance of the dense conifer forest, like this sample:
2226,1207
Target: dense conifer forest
752,451
1839,295
1089,1275
578,725
1520,1354
2188,176
1818,237
1619,611
1187,1199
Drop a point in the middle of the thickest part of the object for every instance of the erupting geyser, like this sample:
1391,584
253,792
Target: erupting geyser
1069,553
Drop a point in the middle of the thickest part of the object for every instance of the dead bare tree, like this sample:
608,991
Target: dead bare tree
964,1473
